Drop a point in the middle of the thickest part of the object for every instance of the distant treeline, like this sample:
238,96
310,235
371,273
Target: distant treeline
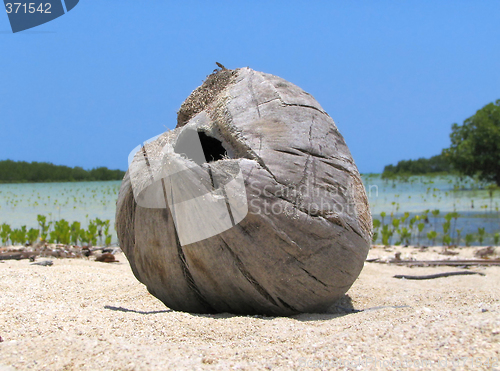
435,164
26,172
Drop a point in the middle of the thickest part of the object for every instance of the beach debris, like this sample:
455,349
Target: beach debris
50,251
385,307
13,256
437,275
428,263
446,251
485,252
340,309
1,339
106,258
44,263
86,252
251,205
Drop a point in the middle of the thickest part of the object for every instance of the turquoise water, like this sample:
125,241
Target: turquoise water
83,201
446,193
74,201
477,206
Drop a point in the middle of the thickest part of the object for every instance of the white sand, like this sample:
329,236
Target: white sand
85,315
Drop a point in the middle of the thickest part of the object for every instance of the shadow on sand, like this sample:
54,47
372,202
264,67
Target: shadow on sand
120,309
341,308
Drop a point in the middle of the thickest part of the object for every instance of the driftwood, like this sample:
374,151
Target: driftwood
253,204
106,258
61,251
485,252
437,275
427,263
44,263
19,255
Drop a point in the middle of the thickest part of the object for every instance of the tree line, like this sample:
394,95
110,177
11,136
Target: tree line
474,150
422,166
34,172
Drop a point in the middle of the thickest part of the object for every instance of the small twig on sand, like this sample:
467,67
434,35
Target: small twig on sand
427,263
45,263
437,275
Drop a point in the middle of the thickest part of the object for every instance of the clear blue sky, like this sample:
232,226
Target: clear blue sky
88,87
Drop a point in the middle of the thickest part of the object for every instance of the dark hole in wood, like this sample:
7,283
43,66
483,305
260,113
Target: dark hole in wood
212,148
188,145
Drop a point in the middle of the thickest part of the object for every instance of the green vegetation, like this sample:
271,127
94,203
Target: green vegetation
474,150
62,232
422,166
25,172
475,145
405,230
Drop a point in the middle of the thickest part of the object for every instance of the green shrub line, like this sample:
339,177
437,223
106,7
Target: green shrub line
391,230
59,231
474,150
423,166
37,172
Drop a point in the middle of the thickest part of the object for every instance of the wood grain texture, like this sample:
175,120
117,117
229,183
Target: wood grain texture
308,228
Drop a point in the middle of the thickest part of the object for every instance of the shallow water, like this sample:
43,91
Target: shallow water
476,205
83,201
446,193
74,201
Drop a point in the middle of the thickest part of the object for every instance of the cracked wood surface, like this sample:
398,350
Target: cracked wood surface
293,159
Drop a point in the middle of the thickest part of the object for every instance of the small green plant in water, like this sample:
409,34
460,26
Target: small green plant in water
18,235
459,233
44,226
5,233
431,236
436,214
75,229
386,235
420,227
92,233
383,215
469,239
446,240
481,232
107,241
405,235
33,235
446,229
61,232
395,223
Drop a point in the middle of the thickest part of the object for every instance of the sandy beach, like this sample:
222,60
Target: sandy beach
79,314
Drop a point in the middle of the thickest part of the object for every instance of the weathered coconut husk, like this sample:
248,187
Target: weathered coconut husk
308,228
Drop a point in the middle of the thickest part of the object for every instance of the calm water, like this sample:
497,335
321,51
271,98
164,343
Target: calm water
76,201
477,206
446,193
20,203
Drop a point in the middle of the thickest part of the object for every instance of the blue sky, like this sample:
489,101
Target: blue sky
86,88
